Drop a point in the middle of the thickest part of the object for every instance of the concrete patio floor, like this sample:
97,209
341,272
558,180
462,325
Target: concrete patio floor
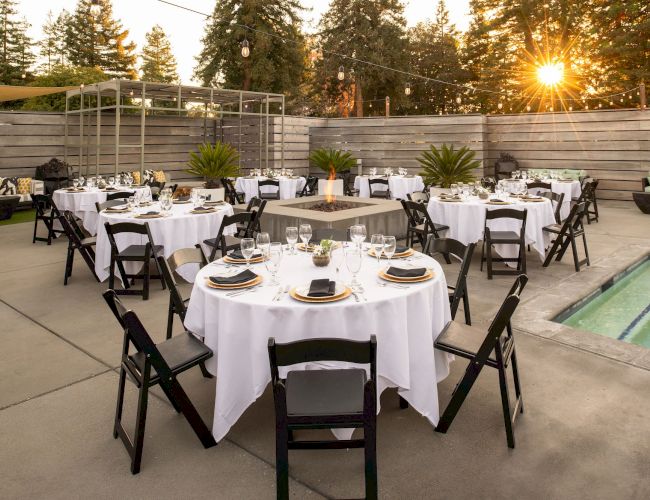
585,432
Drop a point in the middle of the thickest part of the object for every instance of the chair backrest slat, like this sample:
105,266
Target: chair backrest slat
108,204
174,293
120,195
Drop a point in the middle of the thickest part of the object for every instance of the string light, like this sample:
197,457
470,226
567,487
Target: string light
500,105
459,100
95,8
407,89
527,108
341,74
23,76
245,48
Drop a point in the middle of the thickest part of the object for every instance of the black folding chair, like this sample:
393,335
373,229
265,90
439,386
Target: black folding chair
557,199
418,196
150,365
119,195
224,242
566,234
324,399
310,187
133,253
491,237
381,192
47,212
419,224
447,246
108,204
494,349
78,241
233,197
348,183
588,197
256,207
274,194
539,185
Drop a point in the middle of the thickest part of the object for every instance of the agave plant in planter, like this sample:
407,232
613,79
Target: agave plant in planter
214,162
332,161
446,166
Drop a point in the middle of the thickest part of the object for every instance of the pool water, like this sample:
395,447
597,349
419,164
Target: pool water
621,310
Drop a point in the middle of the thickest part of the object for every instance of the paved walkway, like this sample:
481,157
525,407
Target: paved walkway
584,434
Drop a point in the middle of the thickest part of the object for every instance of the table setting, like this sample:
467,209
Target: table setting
81,197
400,184
463,210
290,184
172,225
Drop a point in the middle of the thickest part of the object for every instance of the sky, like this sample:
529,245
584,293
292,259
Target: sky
185,29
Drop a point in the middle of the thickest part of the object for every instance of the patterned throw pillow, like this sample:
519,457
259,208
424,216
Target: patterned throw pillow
8,185
136,177
24,185
159,176
147,177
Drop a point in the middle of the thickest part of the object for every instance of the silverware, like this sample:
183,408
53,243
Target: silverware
278,294
392,285
356,297
235,293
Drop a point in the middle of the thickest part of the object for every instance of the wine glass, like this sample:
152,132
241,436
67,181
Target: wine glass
454,189
274,257
390,244
353,259
358,234
292,237
263,240
75,183
111,182
377,244
305,234
247,248
336,258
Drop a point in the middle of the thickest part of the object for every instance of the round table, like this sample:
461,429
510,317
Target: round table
399,185
570,189
179,229
405,321
289,186
466,221
82,203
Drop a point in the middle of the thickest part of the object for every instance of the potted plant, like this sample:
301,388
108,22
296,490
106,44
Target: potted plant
321,253
446,166
332,161
214,162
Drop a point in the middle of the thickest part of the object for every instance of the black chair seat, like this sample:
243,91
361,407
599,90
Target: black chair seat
462,340
138,250
504,237
269,196
179,352
325,392
380,193
557,229
90,241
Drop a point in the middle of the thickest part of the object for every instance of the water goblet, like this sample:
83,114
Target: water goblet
272,263
353,259
75,183
263,240
305,234
247,246
336,258
292,237
377,244
454,189
358,234
390,244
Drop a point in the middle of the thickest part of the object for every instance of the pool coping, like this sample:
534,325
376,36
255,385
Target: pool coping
536,314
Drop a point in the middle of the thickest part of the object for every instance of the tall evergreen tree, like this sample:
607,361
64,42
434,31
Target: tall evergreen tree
158,61
16,55
100,41
435,54
369,30
273,64
51,45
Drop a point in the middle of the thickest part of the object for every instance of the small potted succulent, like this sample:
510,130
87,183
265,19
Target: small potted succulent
321,253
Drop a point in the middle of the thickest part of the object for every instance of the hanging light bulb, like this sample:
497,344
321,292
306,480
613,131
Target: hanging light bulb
341,74
570,108
245,48
586,106
407,88
600,104
370,105
23,76
500,105
551,109
611,103
416,106
459,99
95,8
528,108
131,92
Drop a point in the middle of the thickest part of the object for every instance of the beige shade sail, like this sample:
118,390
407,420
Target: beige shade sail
13,92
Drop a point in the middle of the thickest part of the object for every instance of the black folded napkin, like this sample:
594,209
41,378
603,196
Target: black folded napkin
110,189
151,213
242,277
496,200
322,288
237,255
406,273
399,249
182,198
201,209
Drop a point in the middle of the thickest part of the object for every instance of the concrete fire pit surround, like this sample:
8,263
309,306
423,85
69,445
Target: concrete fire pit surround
380,216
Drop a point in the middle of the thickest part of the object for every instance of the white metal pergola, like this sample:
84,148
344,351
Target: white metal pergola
118,97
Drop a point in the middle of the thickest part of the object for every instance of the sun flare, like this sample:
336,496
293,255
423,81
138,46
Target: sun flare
551,74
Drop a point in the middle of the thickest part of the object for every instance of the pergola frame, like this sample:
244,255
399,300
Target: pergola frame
210,103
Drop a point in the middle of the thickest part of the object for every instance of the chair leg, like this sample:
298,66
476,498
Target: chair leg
552,252
120,401
111,275
489,259
160,274
459,395
204,371
35,229
403,403
574,251
190,413
146,278
370,455
505,403
522,257
282,461
125,280
68,264
515,378
170,319
468,318
584,243
138,438
482,253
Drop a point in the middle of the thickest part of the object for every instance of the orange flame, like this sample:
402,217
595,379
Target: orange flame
329,187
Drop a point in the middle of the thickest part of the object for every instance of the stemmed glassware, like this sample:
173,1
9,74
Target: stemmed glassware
390,244
454,189
75,183
358,234
377,244
263,240
247,249
292,237
336,257
305,234
272,263
353,259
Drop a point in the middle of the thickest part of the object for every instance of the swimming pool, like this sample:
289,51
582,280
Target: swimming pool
620,309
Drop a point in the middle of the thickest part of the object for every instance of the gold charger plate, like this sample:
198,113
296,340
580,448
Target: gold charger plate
180,202
246,284
149,216
450,200
121,211
426,277
254,260
199,212
534,200
301,246
498,203
315,300
408,253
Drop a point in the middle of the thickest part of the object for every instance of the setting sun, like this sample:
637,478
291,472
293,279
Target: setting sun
551,74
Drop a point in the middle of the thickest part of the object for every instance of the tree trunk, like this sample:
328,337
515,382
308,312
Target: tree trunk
358,98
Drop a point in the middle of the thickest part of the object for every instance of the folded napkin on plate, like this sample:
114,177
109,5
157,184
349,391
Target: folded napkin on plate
182,198
201,209
117,207
242,277
322,288
237,255
398,272
151,213
399,249
497,200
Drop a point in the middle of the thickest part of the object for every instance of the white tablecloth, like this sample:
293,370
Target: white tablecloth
399,185
466,221
570,189
289,186
180,229
406,322
82,204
